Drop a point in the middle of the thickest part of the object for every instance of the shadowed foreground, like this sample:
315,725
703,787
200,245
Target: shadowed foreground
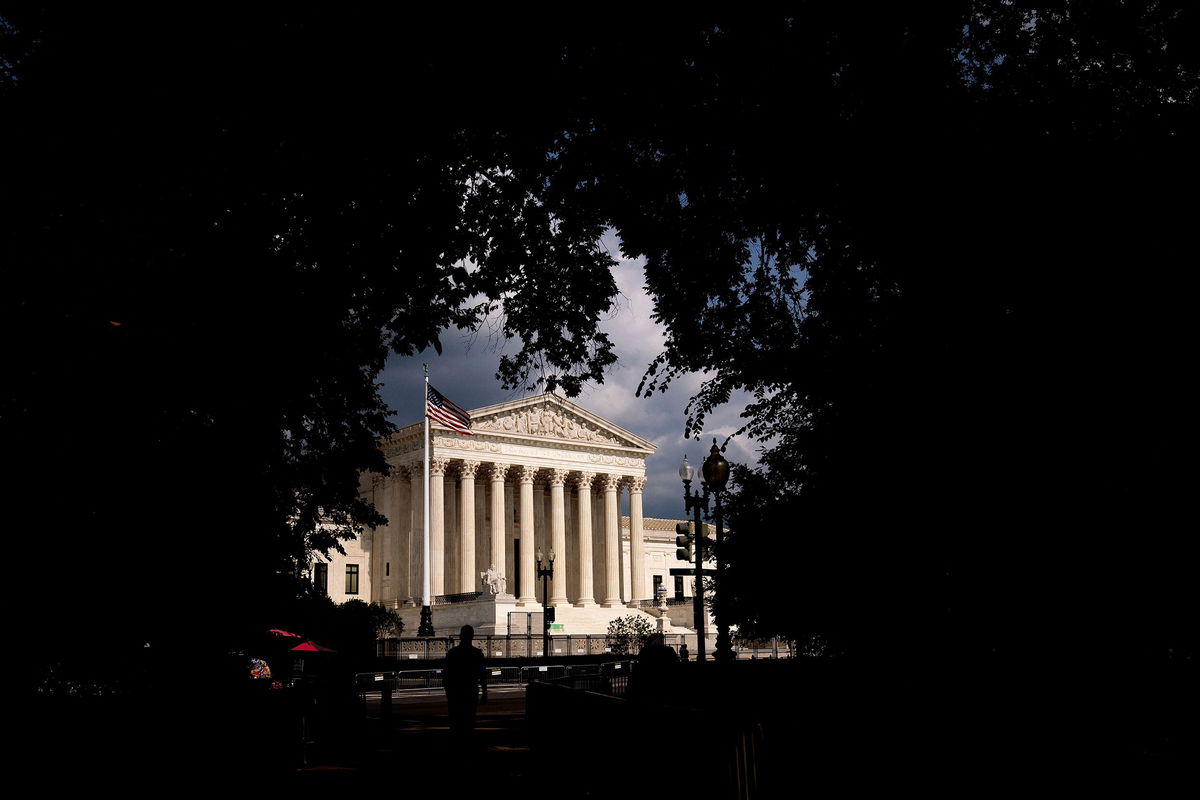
817,725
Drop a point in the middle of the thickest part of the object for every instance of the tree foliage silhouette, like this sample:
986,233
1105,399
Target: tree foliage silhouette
946,251
214,230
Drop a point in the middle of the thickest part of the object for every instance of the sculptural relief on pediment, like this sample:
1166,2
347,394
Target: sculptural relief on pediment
545,421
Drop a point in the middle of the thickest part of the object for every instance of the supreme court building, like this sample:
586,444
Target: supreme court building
540,474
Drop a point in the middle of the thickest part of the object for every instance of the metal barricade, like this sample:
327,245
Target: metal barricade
616,677
418,679
540,672
511,675
579,670
504,676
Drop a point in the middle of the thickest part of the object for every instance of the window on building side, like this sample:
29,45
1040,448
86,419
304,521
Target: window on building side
321,578
352,579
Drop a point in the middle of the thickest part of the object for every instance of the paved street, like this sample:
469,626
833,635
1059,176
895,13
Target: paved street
412,750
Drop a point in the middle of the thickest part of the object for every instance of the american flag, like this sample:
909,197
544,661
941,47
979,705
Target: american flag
440,409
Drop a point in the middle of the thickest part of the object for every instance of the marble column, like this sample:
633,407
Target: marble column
558,536
498,472
512,503
528,544
450,529
612,542
416,533
541,529
386,580
584,504
374,539
396,554
437,526
637,545
468,577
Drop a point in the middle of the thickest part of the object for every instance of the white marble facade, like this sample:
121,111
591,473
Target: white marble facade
541,473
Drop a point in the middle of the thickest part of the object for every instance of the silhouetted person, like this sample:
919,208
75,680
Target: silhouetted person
654,670
683,652
463,678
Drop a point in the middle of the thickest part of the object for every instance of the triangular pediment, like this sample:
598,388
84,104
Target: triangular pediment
548,416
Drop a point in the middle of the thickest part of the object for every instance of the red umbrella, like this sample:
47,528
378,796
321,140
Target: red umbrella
312,647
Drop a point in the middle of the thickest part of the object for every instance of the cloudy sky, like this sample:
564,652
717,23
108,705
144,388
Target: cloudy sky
466,370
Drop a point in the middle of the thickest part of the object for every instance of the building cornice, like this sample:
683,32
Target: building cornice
533,428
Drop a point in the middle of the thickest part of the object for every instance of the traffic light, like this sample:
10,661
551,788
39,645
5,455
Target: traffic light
683,541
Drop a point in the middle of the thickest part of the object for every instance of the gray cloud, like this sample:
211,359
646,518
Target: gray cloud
465,372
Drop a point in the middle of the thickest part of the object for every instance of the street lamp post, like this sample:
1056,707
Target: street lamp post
716,475
693,504
715,471
546,574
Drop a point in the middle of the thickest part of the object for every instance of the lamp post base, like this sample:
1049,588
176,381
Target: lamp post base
426,626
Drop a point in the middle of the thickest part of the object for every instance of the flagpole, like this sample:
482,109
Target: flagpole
426,626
